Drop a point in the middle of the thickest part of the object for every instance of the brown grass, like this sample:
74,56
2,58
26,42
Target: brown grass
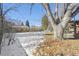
54,47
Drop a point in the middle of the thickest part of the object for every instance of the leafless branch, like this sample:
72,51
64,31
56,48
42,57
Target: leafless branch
49,14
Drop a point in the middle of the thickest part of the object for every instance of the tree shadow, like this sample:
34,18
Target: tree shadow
75,38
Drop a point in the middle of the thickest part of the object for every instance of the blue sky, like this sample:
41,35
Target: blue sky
22,13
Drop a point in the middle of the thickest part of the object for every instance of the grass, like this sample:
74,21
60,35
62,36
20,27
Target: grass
57,48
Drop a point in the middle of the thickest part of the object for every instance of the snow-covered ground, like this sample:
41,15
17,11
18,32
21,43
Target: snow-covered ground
23,44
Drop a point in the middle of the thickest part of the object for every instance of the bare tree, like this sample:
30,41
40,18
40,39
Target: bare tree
70,11
1,25
2,18
10,34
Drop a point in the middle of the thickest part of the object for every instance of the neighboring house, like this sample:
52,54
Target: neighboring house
76,29
73,29
21,28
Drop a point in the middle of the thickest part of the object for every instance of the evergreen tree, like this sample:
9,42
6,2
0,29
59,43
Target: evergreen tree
22,24
44,23
27,23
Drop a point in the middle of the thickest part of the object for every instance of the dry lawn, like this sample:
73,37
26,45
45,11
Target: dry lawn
58,48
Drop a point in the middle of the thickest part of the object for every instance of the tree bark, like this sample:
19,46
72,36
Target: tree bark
58,32
56,12
58,29
49,15
1,25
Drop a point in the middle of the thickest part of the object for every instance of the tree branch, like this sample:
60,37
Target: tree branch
64,9
75,11
68,14
49,14
56,12
9,9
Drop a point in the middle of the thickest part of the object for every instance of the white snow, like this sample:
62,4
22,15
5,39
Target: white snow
30,43
14,49
23,44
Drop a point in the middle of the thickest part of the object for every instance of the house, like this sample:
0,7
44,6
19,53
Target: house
21,28
76,29
72,30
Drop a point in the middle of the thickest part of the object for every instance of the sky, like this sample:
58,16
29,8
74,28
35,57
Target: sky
22,12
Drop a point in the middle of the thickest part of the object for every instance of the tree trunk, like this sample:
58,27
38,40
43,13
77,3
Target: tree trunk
1,25
58,29
58,32
1,36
